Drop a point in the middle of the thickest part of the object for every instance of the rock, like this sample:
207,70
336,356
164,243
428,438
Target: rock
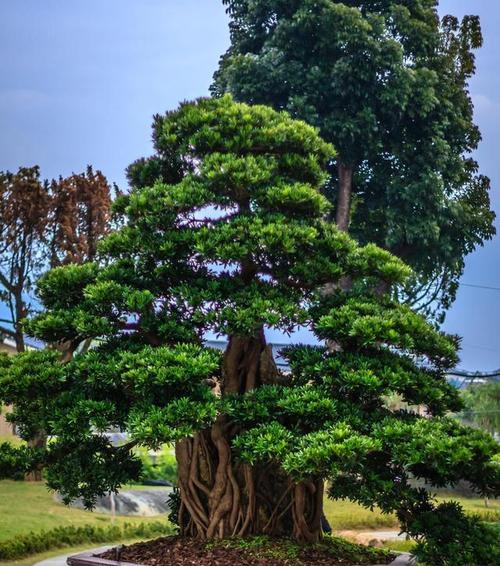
137,503
375,542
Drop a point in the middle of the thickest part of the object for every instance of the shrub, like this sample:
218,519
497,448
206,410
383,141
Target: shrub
164,467
451,538
60,537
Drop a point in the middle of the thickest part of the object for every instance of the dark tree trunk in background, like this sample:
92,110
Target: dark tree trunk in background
39,441
221,497
344,193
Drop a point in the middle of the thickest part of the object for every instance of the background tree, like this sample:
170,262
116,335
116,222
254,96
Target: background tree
24,210
43,225
80,216
237,243
387,83
482,406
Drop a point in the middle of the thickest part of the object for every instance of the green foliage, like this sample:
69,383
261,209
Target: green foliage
63,287
388,84
482,402
174,504
77,401
230,237
289,551
15,461
60,537
453,539
359,323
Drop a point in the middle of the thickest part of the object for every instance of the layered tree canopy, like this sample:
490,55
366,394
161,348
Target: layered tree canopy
224,232
387,84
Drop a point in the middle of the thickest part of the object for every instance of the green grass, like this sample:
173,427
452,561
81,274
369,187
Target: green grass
26,506
29,506
400,545
16,441
344,515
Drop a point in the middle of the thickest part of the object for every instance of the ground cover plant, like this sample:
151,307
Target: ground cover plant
224,231
252,551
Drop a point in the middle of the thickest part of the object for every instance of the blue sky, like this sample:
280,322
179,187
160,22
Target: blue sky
80,81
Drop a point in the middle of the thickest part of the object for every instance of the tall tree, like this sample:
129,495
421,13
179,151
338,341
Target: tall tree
482,406
387,83
24,209
225,232
80,216
43,225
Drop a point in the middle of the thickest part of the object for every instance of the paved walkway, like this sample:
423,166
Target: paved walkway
61,560
367,537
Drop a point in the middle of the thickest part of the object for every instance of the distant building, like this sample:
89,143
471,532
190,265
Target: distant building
461,378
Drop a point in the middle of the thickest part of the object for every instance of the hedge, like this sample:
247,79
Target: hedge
21,546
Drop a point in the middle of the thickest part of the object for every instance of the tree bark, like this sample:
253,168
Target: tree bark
39,441
20,313
344,195
223,497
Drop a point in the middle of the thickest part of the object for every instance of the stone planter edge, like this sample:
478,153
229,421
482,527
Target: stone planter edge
88,559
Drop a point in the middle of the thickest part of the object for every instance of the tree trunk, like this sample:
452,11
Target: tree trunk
344,196
223,497
20,313
39,441
19,338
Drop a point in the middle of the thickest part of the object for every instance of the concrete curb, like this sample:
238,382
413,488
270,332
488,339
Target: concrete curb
404,559
88,559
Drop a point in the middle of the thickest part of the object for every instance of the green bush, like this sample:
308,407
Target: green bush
451,538
33,543
163,467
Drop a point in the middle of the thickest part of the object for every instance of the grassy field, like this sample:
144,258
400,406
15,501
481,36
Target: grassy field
344,515
26,507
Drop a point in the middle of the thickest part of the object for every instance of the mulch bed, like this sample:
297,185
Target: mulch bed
178,551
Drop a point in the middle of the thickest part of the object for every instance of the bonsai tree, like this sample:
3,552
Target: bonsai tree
224,231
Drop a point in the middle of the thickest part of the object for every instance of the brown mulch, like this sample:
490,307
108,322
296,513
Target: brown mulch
178,551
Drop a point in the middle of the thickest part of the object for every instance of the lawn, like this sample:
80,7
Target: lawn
26,506
344,515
